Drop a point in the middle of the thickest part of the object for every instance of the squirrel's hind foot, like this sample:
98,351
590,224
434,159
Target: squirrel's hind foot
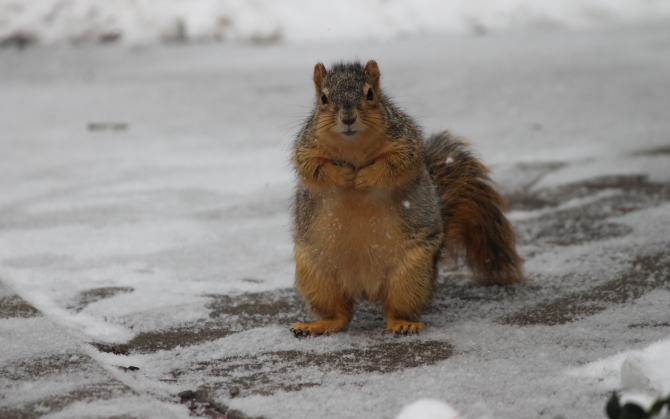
321,327
399,327
299,333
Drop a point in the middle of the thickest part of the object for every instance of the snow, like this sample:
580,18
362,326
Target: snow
143,407
644,374
148,21
428,409
188,208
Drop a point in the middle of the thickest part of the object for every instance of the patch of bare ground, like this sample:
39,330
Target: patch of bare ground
31,368
583,212
53,368
100,391
592,219
15,306
87,297
229,314
648,273
588,218
269,372
201,404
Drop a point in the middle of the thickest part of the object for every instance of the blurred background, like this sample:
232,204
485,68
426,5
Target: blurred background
152,21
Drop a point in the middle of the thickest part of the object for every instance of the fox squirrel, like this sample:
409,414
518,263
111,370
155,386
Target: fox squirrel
376,207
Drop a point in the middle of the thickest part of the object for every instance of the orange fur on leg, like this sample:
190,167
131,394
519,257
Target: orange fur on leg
409,289
323,296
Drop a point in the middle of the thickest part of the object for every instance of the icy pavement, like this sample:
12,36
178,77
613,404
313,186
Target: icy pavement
145,249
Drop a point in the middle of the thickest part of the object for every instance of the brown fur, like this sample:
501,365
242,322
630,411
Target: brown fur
472,211
368,219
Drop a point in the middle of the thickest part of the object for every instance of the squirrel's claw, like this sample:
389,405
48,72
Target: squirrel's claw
404,327
300,333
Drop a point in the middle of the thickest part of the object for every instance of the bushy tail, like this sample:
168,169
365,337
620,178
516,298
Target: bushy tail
472,211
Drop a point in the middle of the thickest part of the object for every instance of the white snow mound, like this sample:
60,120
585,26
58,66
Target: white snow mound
643,375
148,21
428,409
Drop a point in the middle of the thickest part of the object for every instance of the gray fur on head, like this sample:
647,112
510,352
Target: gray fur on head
346,81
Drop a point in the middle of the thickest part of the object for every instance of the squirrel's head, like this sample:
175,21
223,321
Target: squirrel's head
348,98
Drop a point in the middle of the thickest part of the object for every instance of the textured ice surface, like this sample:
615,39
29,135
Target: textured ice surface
172,236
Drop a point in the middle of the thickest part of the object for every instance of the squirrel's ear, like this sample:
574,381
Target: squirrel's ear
319,75
373,71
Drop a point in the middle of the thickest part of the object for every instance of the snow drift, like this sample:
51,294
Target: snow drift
150,21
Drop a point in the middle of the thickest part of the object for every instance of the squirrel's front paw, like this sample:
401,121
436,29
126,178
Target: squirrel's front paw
364,178
345,174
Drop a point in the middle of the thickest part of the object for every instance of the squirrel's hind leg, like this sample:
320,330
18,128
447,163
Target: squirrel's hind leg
409,289
322,295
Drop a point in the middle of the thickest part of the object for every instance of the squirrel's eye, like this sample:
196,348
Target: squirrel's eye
370,96
324,99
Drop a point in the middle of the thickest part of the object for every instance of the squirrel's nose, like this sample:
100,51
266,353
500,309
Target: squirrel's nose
348,119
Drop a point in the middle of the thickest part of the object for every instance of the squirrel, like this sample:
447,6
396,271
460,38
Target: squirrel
377,206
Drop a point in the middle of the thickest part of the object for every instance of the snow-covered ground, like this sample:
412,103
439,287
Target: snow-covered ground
149,21
144,202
